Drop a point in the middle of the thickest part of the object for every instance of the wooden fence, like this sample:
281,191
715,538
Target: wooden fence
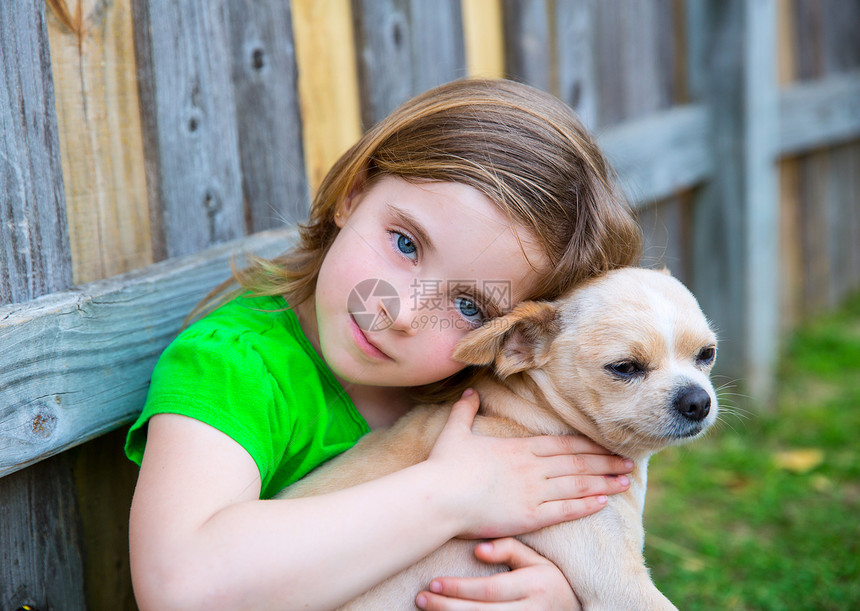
142,138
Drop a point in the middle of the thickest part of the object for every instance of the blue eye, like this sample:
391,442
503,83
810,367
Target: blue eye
469,310
404,244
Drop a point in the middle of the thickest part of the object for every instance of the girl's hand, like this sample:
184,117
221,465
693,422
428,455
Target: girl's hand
510,486
533,583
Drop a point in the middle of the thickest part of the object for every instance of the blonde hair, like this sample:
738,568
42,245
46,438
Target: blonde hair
519,146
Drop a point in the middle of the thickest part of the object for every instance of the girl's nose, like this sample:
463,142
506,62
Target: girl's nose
398,314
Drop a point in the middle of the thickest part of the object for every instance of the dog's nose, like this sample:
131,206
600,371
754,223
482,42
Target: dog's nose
693,402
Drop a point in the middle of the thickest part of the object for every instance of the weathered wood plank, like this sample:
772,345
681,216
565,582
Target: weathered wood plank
761,199
528,51
576,62
274,181
483,38
404,48
438,50
819,113
76,364
384,47
828,52
40,547
732,69
98,112
328,84
40,553
34,250
661,154
189,115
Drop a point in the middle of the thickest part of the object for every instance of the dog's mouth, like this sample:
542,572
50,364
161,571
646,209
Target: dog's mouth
680,430
660,432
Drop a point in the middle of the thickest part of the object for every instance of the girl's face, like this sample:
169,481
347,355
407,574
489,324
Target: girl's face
415,267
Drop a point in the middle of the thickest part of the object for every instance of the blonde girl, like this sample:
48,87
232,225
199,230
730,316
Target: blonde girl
464,201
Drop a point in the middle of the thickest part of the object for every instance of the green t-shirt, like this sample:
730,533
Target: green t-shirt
248,370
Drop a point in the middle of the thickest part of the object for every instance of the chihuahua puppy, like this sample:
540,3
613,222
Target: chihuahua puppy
623,359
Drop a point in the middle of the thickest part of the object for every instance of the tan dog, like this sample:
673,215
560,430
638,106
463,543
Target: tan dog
623,359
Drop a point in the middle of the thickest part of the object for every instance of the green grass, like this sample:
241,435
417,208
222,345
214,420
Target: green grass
764,513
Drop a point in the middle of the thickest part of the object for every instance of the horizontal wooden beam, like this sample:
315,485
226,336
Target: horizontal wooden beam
819,114
76,364
662,154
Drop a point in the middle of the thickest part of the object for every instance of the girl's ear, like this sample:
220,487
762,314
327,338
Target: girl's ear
514,342
351,201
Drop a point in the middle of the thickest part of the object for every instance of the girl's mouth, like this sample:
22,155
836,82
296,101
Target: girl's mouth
364,344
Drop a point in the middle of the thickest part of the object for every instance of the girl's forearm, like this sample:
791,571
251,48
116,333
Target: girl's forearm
281,553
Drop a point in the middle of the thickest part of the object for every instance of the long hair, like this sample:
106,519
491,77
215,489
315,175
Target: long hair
522,148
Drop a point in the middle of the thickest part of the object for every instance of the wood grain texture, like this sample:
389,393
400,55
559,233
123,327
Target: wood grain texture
735,228
328,83
685,160
383,35
274,182
77,363
189,116
576,63
483,38
529,53
40,560
98,112
761,197
34,245
40,546
827,54
819,113
404,48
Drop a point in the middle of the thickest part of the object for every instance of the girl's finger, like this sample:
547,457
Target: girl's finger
553,445
586,464
507,586
464,410
582,486
565,510
509,551
435,602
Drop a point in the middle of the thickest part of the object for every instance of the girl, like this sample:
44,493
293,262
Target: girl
465,200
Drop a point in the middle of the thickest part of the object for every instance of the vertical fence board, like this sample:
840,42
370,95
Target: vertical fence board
483,38
438,51
185,77
577,81
715,34
528,46
34,254
732,59
328,85
405,47
760,196
384,48
826,44
98,111
267,105
40,561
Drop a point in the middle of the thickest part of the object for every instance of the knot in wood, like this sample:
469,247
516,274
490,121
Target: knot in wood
43,423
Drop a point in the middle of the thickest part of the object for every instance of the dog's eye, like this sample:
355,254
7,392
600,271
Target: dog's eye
625,369
706,355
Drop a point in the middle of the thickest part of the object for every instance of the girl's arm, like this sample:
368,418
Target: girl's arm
532,583
200,538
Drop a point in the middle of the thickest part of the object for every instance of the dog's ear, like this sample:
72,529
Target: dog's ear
514,342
